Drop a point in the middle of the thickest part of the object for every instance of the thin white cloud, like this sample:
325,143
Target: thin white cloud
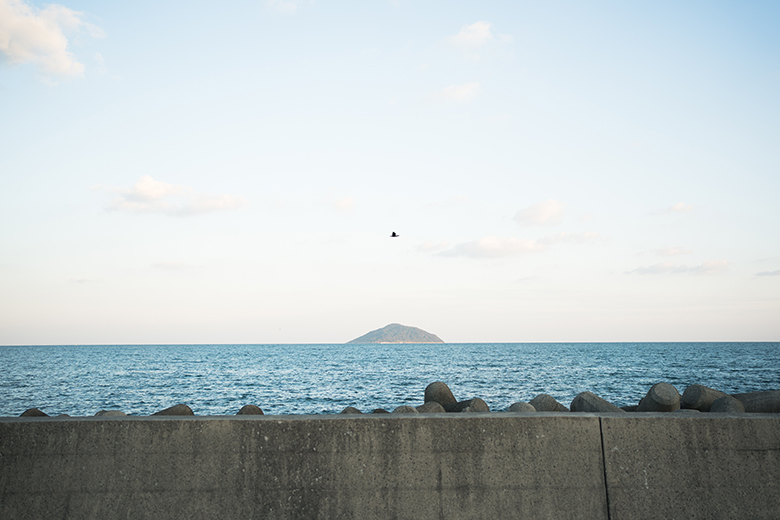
549,212
769,273
577,238
84,281
474,35
344,205
151,196
670,251
526,279
32,35
458,93
680,207
283,6
101,63
171,266
711,267
497,247
708,267
431,246
494,247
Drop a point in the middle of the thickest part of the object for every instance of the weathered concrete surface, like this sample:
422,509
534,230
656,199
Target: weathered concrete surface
393,466
692,466
416,466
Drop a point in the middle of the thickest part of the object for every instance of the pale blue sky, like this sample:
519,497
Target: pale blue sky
191,172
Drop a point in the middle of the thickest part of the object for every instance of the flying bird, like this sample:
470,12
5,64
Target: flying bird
394,235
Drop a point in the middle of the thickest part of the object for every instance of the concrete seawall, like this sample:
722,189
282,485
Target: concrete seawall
437,466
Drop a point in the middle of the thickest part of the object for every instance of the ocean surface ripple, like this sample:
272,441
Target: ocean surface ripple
317,379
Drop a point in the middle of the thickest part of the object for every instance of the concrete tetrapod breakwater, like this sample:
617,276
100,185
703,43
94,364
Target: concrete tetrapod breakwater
392,466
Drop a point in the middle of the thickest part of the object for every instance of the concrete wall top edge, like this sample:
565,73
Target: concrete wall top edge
405,417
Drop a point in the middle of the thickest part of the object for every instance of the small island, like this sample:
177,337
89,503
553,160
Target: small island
397,333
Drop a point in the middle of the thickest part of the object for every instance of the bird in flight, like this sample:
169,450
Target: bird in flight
394,235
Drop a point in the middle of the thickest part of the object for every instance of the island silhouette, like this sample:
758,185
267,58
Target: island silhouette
397,333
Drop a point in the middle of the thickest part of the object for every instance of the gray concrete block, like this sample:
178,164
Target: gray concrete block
34,412
727,404
699,397
455,466
761,402
350,409
405,408
590,402
178,409
692,466
470,405
547,403
431,407
439,392
110,413
662,397
522,406
250,409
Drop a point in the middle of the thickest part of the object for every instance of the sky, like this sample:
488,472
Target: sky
200,172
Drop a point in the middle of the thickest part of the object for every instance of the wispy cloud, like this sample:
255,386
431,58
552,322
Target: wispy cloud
576,238
527,279
457,93
32,35
171,266
340,203
497,247
84,281
344,205
151,196
494,247
672,251
708,267
474,35
432,246
547,213
668,251
283,6
680,207
769,273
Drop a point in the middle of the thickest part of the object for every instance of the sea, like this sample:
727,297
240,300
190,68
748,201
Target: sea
80,380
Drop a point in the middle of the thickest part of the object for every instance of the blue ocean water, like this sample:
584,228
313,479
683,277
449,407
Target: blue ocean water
316,379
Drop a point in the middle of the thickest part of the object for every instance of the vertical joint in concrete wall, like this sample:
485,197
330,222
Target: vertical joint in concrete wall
604,467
